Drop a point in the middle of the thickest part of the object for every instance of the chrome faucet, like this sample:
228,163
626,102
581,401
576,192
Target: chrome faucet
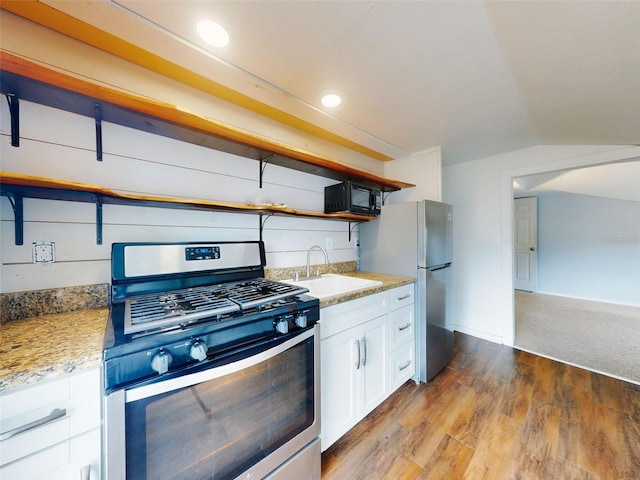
326,258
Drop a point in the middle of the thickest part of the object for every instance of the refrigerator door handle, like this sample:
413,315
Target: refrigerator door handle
440,267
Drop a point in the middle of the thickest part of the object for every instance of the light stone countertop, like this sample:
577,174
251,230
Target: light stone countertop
48,346
388,282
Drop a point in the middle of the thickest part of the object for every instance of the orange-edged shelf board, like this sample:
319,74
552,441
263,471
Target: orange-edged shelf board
56,189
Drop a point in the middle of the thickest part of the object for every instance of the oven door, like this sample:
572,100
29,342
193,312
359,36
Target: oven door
243,419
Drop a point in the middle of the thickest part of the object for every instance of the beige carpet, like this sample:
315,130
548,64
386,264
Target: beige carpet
601,337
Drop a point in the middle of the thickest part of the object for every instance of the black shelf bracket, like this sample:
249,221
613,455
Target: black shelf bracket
263,164
98,117
98,202
14,111
266,217
18,214
355,224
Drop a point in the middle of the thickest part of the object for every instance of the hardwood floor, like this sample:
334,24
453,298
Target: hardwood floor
497,413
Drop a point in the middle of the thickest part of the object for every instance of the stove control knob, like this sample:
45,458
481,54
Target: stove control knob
282,325
301,320
161,361
198,350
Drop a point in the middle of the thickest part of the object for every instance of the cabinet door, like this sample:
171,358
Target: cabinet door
374,352
339,380
86,452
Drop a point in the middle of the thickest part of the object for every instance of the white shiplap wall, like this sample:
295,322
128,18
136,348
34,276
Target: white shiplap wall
59,144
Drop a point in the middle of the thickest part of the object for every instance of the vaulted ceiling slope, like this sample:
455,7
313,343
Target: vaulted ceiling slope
474,77
618,181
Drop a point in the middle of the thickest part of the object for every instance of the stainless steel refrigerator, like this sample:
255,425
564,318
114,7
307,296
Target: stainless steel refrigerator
415,239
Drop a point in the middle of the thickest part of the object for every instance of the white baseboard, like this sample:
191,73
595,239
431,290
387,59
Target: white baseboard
590,299
478,333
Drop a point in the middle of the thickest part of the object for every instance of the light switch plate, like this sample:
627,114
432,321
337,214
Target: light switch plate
44,253
328,243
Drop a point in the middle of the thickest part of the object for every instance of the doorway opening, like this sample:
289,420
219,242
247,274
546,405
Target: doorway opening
583,300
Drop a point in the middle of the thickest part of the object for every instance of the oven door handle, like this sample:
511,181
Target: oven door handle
161,387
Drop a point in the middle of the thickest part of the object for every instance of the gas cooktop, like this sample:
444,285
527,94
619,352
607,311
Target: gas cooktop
158,310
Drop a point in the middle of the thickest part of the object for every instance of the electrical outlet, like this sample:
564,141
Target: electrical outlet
44,253
328,243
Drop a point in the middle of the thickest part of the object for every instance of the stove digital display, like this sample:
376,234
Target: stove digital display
202,253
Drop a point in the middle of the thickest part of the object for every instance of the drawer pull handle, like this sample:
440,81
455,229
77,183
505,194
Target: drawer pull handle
359,355
404,327
55,414
405,366
404,297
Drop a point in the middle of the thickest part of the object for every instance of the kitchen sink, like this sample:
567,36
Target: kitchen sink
331,284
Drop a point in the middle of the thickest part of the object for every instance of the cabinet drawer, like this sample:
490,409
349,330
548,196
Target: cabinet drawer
401,296
75,398
402,366
343,316
401,324
62,461
39,465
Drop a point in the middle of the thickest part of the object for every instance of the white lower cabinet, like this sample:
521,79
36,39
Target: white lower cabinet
51,430
362,362
353,379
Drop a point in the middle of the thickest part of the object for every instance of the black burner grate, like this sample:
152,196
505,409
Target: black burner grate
183,303
181,306
255,292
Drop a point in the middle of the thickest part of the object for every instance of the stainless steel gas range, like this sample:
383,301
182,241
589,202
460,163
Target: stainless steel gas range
211,371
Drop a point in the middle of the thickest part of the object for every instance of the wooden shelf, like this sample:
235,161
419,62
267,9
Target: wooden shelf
23,79
18,186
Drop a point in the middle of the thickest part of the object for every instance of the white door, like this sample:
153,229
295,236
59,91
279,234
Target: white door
525,242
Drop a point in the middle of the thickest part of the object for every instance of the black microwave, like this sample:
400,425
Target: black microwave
353,198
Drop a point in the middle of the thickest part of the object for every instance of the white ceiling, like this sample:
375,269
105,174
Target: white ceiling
476,78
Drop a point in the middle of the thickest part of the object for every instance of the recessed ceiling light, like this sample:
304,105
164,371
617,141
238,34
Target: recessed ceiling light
213,33
331,100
